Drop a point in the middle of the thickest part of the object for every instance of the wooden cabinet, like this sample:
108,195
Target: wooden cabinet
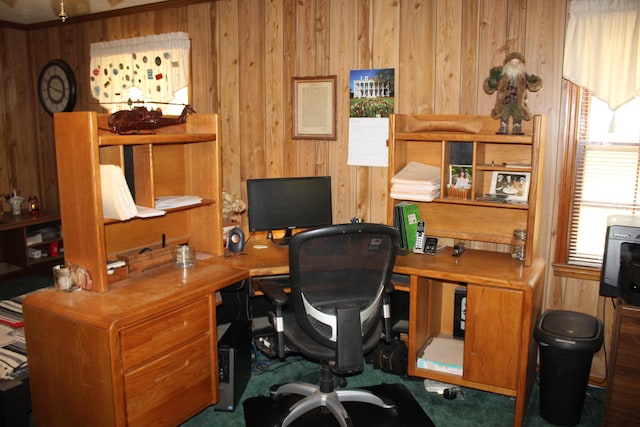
472,216
176,160
142,350
504,299
624,370
144,353
503,294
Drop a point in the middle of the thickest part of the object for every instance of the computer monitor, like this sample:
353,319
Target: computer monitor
288,203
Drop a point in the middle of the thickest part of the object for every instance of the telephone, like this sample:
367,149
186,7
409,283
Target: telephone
420,238
424,244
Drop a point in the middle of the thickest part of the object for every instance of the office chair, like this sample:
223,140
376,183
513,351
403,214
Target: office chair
335,314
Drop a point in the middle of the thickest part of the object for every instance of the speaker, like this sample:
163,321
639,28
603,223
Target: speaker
236,239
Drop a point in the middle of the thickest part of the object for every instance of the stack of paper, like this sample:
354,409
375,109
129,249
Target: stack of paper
416,181
444,355
168,202
147,212
117,202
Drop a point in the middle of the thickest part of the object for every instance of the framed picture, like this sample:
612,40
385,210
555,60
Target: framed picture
314,107
460,176
514,186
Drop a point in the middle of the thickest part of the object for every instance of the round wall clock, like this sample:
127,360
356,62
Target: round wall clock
57,87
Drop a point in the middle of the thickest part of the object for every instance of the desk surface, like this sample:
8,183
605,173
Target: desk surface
264,258
131,299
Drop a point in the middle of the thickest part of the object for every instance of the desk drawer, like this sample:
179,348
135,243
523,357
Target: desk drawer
176,384
158,335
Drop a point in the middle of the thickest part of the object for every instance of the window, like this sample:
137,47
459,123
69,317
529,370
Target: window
602,178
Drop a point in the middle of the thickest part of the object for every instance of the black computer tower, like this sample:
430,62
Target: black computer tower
234,363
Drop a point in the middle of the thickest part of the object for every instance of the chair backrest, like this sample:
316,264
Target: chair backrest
341,269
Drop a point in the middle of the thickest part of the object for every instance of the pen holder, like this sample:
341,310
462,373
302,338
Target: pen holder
16,204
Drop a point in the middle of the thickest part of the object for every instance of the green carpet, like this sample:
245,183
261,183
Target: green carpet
475,408
22,285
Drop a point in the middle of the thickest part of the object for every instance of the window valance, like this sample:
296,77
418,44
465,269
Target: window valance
602,48
158,66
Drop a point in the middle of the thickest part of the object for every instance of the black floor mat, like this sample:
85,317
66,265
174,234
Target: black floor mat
263,411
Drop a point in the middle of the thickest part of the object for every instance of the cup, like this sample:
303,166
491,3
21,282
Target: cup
63,280
184,256
54,249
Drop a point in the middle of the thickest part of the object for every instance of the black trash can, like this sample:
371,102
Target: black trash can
567,341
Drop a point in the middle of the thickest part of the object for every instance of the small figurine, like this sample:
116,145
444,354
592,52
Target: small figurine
511,82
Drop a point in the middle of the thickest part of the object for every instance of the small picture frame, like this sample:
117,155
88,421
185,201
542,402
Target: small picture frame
513,186
460,176
314,107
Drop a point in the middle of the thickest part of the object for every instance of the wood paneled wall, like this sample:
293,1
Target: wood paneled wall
244,53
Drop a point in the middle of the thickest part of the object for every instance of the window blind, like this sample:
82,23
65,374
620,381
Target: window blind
607,182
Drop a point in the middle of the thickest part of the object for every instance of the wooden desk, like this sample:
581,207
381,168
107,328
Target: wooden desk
144,353
260,258
503,304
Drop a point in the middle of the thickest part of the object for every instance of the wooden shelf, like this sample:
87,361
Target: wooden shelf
471,219
174,160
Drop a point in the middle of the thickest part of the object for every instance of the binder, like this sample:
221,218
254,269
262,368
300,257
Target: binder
406,218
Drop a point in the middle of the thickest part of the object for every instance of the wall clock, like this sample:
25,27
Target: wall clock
57,87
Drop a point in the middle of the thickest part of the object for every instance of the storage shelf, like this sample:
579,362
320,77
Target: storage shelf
153,139
473,144
180,159
463,137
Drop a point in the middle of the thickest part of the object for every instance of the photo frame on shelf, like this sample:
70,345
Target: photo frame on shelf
460,176
513,186
314,107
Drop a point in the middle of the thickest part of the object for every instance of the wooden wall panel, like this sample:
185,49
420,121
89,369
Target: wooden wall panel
244,53
343,18
581,295
227,40
448,56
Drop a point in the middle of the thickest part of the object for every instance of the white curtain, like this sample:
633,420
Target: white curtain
602,48
158,66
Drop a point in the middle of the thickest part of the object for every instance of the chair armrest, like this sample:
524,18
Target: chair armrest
278,298
274,292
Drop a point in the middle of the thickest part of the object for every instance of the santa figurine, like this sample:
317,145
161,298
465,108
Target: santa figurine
511,82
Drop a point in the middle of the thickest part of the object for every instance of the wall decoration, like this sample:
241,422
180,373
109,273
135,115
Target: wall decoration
371,101
156,66
314,107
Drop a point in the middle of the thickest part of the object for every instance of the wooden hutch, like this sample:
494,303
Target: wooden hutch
142,350
503,294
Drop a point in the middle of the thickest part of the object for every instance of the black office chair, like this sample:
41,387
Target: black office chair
339,303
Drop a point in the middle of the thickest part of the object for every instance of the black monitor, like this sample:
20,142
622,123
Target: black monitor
288,203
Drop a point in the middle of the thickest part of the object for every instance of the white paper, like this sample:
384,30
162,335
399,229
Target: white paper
147,212
117,202
368,141
168,202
